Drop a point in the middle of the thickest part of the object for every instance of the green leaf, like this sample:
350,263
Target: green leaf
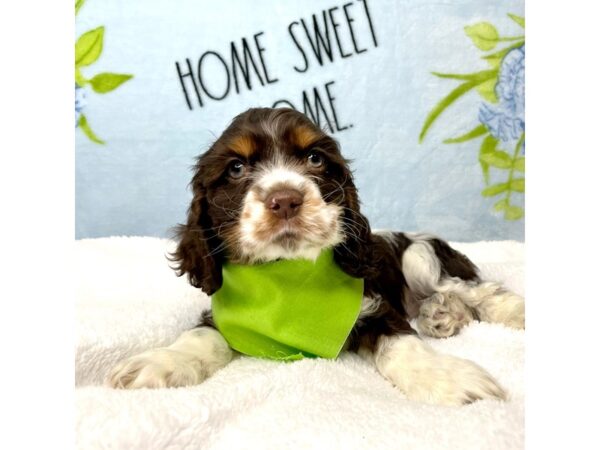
494,62
519,164
475,132
511,38
520,20
443,104
83,124
501,205
497,158
106,82
494,189
520,144
89,47
488,146
513,212
517,184
78,4
476,76
501,53
484,35
79,78
488,90
477,79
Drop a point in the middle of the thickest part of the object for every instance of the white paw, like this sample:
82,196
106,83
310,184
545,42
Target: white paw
443,315
426,376
453,381
193,357
503,307
158,368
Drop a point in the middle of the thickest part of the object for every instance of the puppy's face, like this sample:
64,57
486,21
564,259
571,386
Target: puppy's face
272,186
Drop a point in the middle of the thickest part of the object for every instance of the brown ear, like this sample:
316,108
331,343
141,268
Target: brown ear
356,255
197,253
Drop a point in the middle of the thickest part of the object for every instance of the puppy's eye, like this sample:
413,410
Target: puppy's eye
236,169
315,160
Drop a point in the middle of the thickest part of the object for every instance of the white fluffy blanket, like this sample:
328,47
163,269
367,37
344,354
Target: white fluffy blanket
128,300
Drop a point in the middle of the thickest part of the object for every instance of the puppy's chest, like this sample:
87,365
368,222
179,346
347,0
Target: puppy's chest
288,309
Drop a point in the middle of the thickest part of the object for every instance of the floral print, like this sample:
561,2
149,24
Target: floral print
506,119
79,102
501,115
88,49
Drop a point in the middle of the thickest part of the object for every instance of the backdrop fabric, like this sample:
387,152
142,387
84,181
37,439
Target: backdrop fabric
426,97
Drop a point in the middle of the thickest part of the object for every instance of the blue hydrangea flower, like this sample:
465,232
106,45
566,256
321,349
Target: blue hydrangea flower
506,119
79,102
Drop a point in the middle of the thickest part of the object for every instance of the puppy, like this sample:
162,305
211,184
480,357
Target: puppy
274,186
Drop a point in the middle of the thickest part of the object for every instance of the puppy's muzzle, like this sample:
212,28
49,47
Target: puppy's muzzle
285,204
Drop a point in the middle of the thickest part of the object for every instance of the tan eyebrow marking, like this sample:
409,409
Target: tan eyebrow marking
243,146
304,136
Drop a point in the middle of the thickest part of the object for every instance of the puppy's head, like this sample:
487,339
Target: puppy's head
272,186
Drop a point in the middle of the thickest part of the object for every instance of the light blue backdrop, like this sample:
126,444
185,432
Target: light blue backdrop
136,183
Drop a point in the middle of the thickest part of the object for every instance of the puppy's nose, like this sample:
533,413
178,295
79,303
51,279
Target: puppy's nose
285,204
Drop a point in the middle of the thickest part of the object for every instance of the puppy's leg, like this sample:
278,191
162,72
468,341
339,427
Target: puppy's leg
490,301
450,291
192,358
425,375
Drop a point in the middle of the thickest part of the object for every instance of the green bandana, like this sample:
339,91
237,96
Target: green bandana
287,309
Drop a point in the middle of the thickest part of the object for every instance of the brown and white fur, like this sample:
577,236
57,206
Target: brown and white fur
275,186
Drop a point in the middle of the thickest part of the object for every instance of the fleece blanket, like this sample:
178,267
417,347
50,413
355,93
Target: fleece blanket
129,300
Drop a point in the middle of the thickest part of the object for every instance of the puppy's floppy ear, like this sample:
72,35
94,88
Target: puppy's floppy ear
356,255
197,253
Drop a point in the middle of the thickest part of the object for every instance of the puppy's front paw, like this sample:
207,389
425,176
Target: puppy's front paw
158,368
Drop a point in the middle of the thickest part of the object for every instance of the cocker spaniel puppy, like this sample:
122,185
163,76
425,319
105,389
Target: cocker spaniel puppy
275,187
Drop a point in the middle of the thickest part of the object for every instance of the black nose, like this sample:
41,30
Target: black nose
285,204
